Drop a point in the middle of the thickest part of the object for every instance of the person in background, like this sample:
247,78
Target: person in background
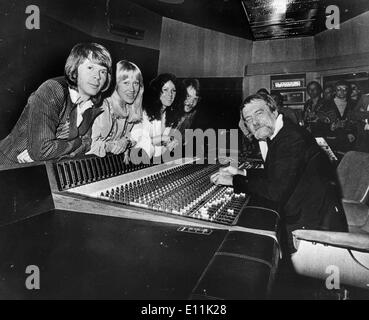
153,134
360,115
58,117
122,110
328,93
314,116
286,111
355,92
263,91
342,129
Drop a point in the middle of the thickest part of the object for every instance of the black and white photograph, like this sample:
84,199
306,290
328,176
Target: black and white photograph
184,154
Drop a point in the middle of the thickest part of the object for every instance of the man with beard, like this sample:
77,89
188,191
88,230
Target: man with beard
297,180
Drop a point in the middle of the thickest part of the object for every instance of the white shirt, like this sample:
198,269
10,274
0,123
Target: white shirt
82,105
145,131
263,144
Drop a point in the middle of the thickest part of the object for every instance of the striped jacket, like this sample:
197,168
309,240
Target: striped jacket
41,126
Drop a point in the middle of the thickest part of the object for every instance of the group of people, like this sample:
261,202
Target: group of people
77,114
69,116
298,179
340,114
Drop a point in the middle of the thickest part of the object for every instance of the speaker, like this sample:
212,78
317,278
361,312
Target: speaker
125,19
126,31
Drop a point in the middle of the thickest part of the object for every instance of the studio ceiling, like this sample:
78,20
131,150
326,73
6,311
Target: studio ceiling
256,19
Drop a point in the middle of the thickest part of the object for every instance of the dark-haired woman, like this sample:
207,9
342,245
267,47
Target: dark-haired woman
153,134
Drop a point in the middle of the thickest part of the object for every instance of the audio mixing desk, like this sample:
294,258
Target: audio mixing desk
98,228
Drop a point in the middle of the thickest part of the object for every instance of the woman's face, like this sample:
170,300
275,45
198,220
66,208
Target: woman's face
129,87
168,94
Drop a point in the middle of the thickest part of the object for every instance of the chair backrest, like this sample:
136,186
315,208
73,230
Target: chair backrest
353,175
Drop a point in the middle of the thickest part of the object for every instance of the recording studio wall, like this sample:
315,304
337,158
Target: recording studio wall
330,52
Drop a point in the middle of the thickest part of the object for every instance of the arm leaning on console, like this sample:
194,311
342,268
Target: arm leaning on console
45,105
148,136
100,131
141,137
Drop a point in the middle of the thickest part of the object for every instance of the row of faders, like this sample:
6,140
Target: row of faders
185,190
77,172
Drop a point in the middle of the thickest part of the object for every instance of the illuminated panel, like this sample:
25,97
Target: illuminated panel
288,84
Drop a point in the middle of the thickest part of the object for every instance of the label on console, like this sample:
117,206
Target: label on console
197,230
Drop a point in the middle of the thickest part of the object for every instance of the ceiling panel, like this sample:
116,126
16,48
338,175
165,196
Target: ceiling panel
256,19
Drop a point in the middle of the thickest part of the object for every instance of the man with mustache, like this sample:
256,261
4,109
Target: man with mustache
297,180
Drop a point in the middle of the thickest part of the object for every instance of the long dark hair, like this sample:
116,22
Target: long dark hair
177,112
152,104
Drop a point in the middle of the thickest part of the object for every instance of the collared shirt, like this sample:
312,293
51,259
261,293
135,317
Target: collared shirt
263,144
82,106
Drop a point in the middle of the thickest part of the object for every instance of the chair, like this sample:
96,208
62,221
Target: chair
320,252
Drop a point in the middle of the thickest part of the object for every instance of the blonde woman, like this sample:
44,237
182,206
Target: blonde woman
111,131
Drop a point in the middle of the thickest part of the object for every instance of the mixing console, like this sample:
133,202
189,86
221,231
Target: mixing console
185,190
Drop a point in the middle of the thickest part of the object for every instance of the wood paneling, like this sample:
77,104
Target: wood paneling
190,51
252,84
281,67
330,52
351,38
296,49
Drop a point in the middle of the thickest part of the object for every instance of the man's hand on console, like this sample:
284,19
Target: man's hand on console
232,171
224,176
222,179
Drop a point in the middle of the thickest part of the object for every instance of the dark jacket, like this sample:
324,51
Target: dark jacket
360,115
40,127
299,179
